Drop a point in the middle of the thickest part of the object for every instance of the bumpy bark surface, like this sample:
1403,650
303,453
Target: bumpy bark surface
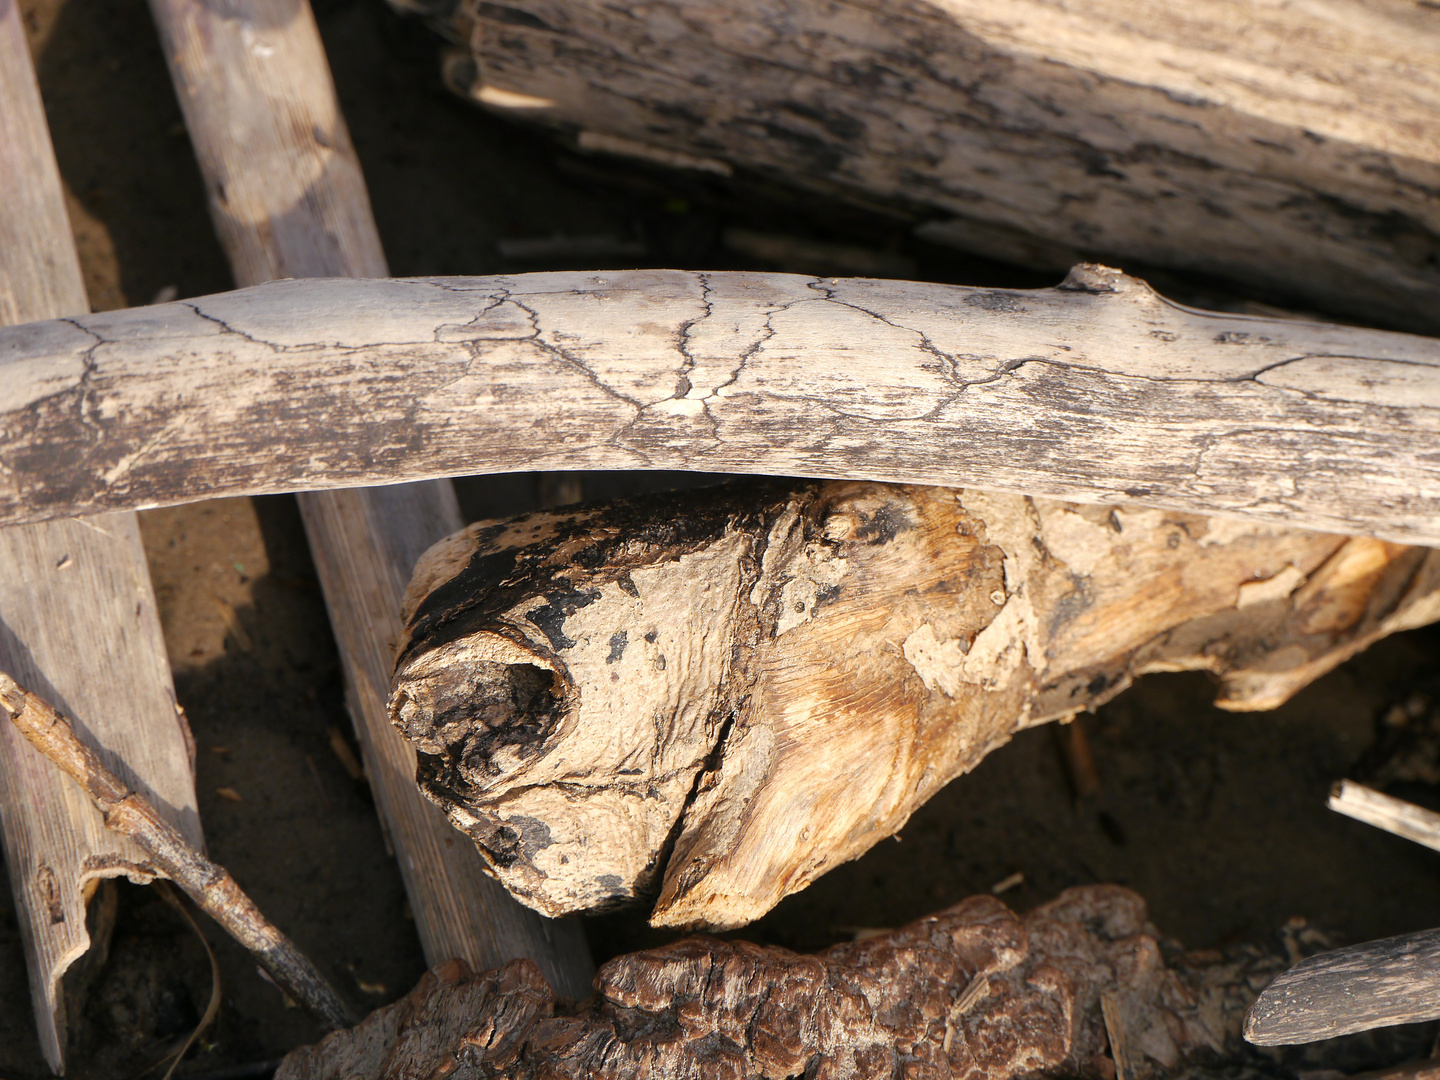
974,992
719,696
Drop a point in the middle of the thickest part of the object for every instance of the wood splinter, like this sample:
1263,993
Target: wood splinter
716,697
208,884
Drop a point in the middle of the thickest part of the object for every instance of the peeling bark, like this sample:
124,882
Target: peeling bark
974,993
719,695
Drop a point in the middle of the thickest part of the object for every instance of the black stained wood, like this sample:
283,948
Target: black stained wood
1394,980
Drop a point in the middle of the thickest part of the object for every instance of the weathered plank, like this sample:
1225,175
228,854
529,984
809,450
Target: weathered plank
1392,981
1293,147
289,201
1098,390
715,697
77,612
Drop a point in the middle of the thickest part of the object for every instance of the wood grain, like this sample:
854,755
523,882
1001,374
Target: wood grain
707,700
1293,148
1098,390
77,611
289,201
1392,981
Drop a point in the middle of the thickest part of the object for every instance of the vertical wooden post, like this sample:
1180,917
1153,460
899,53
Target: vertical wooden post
77,612
289,200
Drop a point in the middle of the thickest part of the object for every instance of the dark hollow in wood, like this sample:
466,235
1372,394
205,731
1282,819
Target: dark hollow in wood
711,698
1098,390
1376,984
974,992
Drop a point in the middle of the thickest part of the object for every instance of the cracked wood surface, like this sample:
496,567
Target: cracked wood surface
77,612
972,993
288,200
1291,147
1098,390
715,697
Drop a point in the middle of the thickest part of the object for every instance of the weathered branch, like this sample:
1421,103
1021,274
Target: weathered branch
720,695
973,992
209,885
1196,136
1098,390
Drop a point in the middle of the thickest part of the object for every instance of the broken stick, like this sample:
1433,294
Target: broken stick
719,695
209,885
1098,390
69,589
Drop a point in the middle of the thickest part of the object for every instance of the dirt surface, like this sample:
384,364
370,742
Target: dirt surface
1217,819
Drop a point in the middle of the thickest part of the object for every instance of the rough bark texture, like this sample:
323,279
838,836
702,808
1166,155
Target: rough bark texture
77,611
722,694
289,201
1291,147
973,992
1098,390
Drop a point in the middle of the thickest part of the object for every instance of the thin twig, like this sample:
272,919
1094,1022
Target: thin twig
1386,812
209,885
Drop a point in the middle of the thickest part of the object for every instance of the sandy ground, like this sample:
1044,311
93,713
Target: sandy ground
1218,819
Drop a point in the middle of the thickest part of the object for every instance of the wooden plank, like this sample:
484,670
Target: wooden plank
1096,391
1392,981
77,612
289,201
1198,136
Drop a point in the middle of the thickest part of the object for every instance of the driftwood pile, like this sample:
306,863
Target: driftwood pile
707,701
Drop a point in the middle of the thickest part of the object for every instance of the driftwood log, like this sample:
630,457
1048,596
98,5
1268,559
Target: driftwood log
289,201
1294,148
77,612
1099,391
719,695
1077,987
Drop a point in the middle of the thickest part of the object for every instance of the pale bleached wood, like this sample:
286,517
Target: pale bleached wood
1294,147
77,612
1395,816
288,199
1098,390
714,697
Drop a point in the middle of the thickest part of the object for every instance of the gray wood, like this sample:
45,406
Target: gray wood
1392,981
289,201
1293,147
77,611
1095,391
